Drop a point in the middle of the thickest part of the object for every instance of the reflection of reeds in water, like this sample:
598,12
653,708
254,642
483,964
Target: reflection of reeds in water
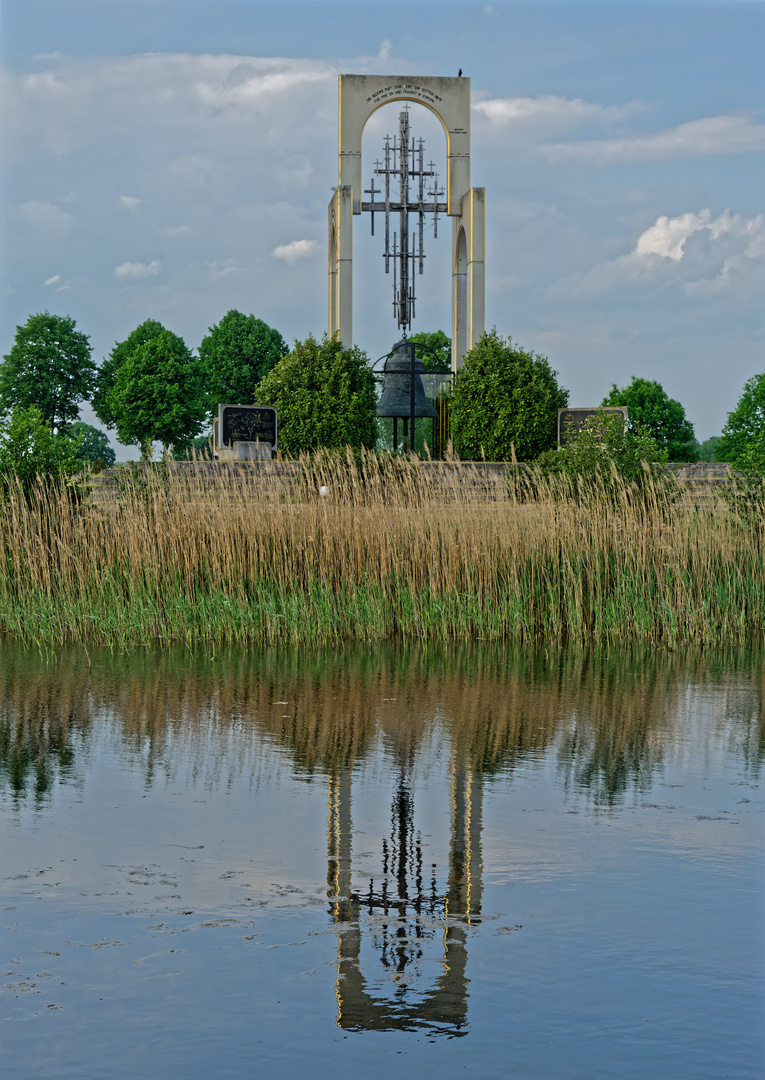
391,551
606,715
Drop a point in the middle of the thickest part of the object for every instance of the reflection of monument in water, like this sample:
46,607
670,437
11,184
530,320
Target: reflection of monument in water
406,911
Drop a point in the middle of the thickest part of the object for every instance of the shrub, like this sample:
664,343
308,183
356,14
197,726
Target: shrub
324,396
605,453
30,451
505,402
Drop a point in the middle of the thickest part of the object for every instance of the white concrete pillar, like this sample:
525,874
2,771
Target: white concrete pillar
340,225
469,274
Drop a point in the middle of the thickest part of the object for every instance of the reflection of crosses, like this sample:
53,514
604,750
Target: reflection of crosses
410,911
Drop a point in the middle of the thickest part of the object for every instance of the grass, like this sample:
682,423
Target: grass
392,550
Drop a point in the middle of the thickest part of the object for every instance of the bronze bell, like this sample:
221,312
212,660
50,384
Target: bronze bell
395,399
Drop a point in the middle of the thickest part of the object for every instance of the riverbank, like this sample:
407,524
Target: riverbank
234,556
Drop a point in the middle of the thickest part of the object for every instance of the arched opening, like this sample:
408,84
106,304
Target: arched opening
460,328
333,309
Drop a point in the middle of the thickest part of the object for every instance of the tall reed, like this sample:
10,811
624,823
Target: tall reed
241,555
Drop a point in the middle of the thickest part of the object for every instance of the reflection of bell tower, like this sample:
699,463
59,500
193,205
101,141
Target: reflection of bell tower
400,915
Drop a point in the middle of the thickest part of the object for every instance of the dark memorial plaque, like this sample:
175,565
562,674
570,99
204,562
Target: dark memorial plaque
571,421
246,423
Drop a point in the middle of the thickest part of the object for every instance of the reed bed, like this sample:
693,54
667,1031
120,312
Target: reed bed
251,556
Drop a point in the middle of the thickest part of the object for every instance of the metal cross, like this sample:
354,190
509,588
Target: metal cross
405,160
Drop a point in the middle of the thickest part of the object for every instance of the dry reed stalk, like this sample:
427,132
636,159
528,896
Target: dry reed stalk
391,549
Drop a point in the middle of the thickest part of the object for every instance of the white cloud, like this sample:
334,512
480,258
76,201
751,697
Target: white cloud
296,249
73,104
712,135
223,267
722,257
132,271
550,111
53,280
668,236
130,202
45,217
174,232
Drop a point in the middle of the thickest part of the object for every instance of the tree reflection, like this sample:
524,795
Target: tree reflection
607,715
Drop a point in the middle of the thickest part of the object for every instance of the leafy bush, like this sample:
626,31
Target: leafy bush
659,415
505,402
31,451
324,396
604,454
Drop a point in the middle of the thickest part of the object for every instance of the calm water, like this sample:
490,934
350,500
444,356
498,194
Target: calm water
466,862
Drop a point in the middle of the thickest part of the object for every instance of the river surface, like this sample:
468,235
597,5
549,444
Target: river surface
381,861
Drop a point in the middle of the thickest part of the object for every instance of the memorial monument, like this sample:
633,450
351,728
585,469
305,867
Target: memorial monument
449,98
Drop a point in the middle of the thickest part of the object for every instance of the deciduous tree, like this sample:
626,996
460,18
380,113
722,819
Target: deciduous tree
662,417
743,437
31,451
235,356
437,354
91,444
157,394
107,373
49,367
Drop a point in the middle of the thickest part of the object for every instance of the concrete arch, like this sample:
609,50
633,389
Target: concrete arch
360,96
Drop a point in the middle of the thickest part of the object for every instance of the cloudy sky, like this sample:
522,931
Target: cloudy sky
174,159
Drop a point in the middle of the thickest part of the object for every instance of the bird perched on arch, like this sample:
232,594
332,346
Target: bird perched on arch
459,73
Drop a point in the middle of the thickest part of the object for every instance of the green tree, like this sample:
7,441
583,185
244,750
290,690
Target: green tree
709,450
157,395
743,437
49,367
92,445
324,396
505,400
663,418
437,356
31,451
107,373
235,356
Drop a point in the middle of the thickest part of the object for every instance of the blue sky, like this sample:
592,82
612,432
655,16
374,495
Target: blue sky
175,159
